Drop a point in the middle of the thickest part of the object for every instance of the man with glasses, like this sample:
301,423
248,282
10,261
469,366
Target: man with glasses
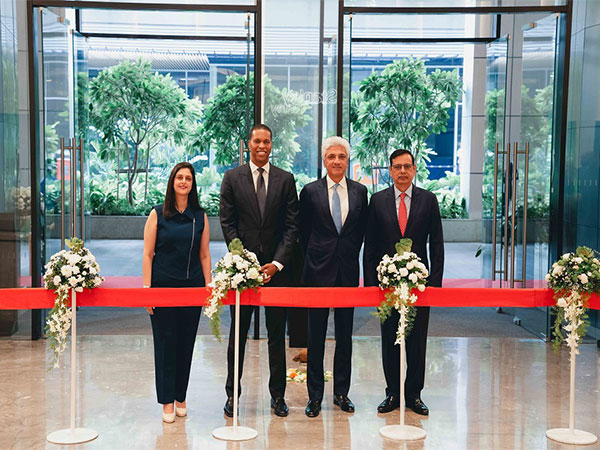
404,211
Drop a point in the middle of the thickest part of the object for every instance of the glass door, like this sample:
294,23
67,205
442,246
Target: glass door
495,182
531,157
81,119
58,125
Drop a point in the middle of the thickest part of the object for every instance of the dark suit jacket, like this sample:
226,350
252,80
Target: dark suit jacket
273,237
328,253
383,231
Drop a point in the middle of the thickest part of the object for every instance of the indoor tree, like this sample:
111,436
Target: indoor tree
400,107
229,115
135,109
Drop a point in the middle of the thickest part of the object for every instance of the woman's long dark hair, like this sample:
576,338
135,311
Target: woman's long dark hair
168,209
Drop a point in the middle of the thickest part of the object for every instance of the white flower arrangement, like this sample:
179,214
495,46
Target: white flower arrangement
238,270
74,269
574,277
401,273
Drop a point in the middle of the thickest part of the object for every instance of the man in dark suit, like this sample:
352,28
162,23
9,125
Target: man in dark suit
259,205
404,211
333,217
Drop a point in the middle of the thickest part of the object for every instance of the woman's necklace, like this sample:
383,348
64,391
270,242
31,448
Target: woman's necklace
180,211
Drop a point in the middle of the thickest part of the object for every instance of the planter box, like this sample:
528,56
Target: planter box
132,227
462,230
120,227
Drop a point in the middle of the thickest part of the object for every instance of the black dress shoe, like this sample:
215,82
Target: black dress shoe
344,403
313,408
279,407
390,403
228,408
418,406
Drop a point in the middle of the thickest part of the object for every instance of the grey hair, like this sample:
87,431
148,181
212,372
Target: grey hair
333,141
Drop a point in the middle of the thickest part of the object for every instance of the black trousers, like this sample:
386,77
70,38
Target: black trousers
275,322
297,322
342,359
174,331
416,347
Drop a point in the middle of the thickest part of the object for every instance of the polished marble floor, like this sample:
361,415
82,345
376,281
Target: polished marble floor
483,394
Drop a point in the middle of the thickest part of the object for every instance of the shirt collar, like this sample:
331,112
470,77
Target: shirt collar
331,183
254,167
408,192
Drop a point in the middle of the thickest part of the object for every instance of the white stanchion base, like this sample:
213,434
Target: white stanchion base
72,436
402,432
576,437
232,433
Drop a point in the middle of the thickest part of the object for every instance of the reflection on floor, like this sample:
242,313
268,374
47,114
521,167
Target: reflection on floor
483,394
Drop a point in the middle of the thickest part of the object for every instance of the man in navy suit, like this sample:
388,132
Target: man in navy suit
333,218
404,211
259,205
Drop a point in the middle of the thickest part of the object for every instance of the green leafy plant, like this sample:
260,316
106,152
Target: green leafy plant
134,110
226,120
400,108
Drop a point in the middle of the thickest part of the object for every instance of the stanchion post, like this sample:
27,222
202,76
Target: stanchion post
73,435
402,432
571,435
235,432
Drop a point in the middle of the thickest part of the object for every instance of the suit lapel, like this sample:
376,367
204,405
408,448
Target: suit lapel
323,199
414,209
250,191
352,201
391,209
272,188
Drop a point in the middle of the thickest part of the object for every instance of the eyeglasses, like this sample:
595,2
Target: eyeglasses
400,166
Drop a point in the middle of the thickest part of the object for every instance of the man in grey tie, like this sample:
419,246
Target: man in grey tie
259,205
333,218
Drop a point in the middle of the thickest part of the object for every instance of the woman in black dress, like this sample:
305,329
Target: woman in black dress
176,254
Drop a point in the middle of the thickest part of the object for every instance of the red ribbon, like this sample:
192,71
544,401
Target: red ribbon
334,297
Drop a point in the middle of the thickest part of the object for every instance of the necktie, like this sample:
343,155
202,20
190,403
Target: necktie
402,215
261,191
336,209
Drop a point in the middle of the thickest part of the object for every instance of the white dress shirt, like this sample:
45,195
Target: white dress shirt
342,191
254,170
407,198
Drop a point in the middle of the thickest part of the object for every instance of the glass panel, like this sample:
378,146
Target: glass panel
387,26
15,185
208,92
495,162
165,23
57,89
533,169
291,85
183,2
370,164
446,3
82,121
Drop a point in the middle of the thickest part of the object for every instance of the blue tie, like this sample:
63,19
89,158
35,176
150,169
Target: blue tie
336,209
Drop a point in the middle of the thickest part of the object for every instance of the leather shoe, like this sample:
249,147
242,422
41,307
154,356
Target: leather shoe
228,408
279,407
390,403
419,407
313,408
344,403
